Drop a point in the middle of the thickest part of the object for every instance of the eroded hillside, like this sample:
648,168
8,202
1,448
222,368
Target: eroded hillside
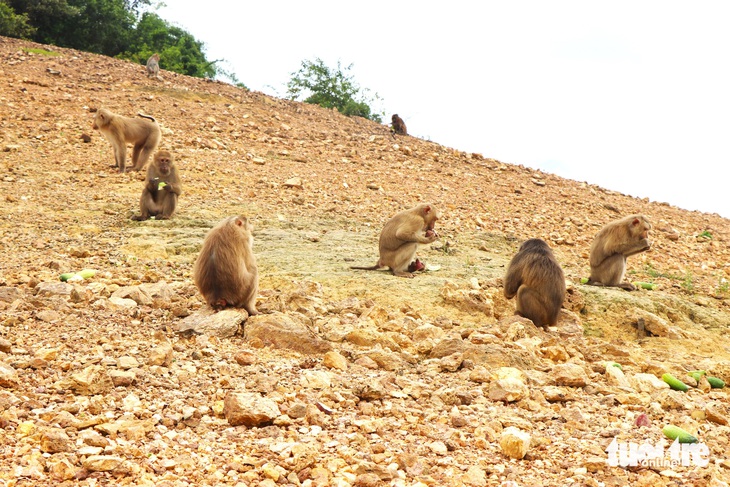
415,393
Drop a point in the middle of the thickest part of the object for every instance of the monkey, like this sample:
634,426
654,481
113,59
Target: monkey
153,66
399,126
118,130
536,278
400,237
162,188
225,271
612,245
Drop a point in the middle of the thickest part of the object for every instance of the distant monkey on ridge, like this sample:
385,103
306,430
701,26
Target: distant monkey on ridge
399,126
153,66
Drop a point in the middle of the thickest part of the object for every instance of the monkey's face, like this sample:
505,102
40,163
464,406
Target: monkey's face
164,162
101,119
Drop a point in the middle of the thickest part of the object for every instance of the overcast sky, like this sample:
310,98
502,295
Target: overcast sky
631,95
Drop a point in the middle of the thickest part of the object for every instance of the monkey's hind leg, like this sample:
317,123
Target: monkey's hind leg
531,306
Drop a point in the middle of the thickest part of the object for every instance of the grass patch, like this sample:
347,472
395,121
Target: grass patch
185,95
42,52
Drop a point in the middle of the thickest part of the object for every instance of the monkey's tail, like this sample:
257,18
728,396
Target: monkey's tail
371,268
150,117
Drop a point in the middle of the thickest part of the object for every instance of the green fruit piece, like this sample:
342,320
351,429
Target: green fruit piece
696,374
584,280
646,285
161,185
676,433
716,382
87,273
67,275
675,383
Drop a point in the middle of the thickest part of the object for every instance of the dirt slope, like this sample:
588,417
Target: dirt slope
63,208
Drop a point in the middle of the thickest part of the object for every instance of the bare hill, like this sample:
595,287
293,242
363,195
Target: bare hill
98,388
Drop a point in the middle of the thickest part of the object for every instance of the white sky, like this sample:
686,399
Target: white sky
631,95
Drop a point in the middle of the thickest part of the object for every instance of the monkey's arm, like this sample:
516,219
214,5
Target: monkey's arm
174,188
641,246
414,233
512,282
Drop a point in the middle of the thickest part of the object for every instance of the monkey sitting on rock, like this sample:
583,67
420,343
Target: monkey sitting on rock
225,271
537,281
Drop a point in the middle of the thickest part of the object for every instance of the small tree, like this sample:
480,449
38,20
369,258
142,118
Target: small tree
13,24
330,88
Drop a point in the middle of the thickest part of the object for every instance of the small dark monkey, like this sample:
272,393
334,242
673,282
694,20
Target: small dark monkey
399,126
118,130
535,277
400,237
161,190
225,271
612,245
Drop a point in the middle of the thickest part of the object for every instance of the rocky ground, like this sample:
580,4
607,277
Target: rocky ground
348,377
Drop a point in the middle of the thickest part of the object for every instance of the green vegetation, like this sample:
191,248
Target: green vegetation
331,88
705,234
43,52
116,28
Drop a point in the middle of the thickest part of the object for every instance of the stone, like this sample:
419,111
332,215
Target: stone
207,321
92,380
9,294
514,442
615,377
8,376
569,374
648,383
249,409
333,360
509,389
47,289
161,355
55,440
101,463
278,330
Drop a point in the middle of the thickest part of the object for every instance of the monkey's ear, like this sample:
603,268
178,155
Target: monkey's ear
427,209
635,222
241,221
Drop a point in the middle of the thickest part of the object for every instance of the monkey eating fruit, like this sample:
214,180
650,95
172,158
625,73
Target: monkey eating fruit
162,188
612,245
400,237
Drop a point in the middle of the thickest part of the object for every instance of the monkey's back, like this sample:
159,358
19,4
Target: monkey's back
220,272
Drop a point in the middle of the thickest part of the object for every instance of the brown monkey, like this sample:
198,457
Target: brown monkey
535,277
612,245
400,238
399,126
153,66
161,190
225,271
118,130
